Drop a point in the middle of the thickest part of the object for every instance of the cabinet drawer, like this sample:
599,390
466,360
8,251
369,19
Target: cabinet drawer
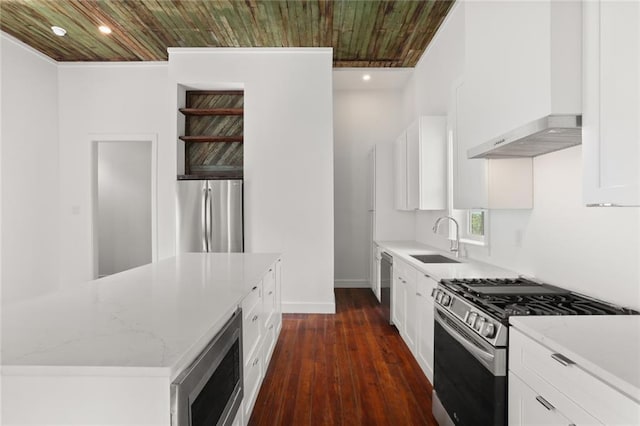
252,300
404,271
269,301
253,372
541,368
269,280
251,333
269,340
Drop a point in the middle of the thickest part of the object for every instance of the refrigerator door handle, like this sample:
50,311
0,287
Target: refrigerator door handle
209,225
205,239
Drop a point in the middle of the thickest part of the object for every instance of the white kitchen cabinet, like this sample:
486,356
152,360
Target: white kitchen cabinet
420,158
404,303
397,297
526,407
261,325
611,120
572,391
424,345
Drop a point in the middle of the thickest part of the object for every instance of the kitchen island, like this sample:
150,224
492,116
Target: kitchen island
106,351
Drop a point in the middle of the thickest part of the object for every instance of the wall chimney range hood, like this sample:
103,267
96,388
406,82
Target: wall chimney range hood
547,134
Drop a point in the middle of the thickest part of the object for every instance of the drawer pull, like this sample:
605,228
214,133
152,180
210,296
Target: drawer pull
427,275
546,404
255,287
562,359
418,294
255,317
255,362
271,292
271,327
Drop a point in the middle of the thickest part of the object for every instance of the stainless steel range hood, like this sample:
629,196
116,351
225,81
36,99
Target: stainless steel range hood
547,134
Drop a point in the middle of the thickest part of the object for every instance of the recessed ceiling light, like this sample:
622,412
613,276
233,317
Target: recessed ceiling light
366,77
59,31
104,29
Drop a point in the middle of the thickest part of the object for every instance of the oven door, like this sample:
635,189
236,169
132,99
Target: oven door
470,381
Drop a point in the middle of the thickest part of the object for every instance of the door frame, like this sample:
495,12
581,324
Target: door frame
97,138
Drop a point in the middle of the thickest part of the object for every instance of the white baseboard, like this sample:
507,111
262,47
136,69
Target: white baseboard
351,284
308,308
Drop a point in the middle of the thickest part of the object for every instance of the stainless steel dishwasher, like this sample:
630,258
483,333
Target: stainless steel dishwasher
386,275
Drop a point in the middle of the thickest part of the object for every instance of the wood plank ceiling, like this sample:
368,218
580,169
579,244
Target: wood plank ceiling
363,33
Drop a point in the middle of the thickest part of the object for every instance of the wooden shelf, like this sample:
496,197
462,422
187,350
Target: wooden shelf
212,111
212,138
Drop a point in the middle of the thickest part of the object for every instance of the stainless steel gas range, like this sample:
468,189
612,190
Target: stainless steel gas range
471,341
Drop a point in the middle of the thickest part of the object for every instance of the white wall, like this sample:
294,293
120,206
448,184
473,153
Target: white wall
127,99
30,172
595,251
362,119
591,250
429,93
124,205
288,157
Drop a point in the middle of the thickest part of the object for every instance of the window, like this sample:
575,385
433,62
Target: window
476,223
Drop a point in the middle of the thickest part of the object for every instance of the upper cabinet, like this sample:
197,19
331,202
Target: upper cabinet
420,165
611,126
522,63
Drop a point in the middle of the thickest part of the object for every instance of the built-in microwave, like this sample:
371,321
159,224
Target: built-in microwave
210,390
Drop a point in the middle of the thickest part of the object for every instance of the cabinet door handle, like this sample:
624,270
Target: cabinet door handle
546,404
418,294
271,292
255,362
255,317
255,287
271,327
562,359
427,275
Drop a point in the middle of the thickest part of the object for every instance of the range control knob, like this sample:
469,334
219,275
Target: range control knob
446,300
479,324
472,319
488,330
439,296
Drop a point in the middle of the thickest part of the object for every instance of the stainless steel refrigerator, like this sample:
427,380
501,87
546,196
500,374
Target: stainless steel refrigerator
210,216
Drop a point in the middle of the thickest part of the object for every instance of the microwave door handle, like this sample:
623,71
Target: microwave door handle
486,358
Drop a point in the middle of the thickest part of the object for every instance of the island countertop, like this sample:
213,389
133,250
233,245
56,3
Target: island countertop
149,321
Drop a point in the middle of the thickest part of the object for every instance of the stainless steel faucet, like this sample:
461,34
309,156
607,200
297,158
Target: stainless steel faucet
455,244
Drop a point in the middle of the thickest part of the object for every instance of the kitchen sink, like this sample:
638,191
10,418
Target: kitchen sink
433,258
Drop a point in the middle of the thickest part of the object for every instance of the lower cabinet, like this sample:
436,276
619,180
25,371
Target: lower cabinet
261,324
403,302
546,387
424,346
526,407
412,312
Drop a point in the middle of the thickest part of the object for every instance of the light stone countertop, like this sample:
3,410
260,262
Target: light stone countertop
149,321
606,346
468,268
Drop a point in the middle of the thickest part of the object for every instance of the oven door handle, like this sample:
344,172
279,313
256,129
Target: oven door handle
492,362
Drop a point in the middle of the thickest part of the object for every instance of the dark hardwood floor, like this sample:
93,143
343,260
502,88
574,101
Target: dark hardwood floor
351,368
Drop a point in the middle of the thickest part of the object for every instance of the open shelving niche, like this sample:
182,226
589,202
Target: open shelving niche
213,134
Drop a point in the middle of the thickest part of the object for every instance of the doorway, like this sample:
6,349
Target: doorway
124,204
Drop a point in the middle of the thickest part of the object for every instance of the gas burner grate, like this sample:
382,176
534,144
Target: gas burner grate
501,306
